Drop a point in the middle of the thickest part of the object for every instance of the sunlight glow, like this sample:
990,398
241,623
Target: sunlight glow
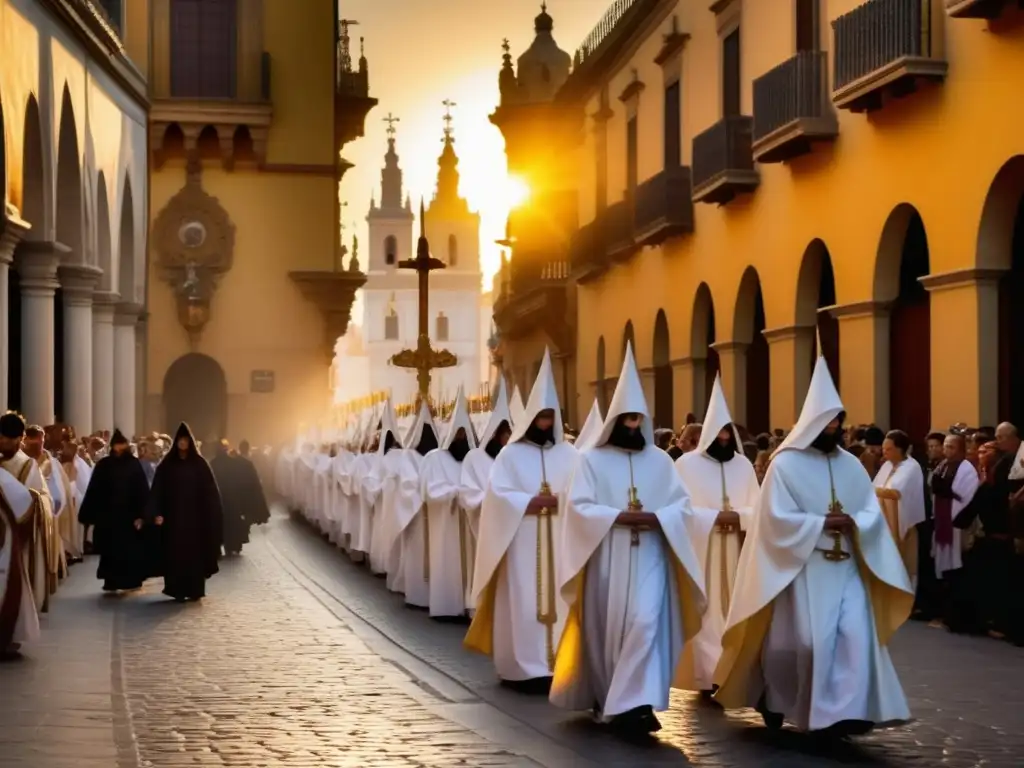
517,192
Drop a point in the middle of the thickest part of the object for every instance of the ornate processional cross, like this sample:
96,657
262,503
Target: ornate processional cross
391,120
424,358
448,104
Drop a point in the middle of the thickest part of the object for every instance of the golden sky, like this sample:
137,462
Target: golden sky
422,52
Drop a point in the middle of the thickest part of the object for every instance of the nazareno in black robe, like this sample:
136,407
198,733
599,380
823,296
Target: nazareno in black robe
186,496
115,499
242,496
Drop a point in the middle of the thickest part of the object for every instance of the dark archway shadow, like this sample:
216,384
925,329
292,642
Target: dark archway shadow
195,391
748,327
662,407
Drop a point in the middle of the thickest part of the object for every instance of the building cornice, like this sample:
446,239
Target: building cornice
102,43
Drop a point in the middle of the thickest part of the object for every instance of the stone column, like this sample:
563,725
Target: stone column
685,387
790,351
103,360
126,316
964,312
13,231
732,363
37,264
864,361
78,281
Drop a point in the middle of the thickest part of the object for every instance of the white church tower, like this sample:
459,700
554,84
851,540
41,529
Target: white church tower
390,296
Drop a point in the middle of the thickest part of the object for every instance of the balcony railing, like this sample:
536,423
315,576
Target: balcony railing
587,252
882,46
791,108
664,206
618,229
723,161
977,9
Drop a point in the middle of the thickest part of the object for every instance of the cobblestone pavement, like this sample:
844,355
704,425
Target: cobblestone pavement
301,659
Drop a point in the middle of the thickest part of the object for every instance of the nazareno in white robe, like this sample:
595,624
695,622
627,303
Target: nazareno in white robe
506,624
811,633
717,552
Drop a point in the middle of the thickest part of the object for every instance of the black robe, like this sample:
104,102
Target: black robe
115,499
242,495
186,496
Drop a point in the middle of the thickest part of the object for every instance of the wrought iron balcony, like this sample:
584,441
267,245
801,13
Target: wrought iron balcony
587,252
617,223
791,108
979,9
883,46
723,161
664,207
535,296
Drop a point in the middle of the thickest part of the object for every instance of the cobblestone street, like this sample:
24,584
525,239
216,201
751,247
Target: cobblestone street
299,658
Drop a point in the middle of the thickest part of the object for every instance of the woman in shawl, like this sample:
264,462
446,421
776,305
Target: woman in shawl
115,506
185,504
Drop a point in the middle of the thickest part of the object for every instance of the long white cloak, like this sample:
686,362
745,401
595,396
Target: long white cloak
717,552
907,481
409,543
367,493
41,549
965,485
20,501
476,475
505,587
810,633
449,539
632,606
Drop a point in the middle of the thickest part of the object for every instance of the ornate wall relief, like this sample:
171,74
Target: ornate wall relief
195,243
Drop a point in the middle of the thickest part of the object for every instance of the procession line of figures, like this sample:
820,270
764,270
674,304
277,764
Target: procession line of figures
167,515
603,575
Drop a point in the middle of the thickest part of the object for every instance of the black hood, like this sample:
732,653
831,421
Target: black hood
184,431
118,437
428,441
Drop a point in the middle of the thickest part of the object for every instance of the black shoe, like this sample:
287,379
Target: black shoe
772,720
537,686
844,729
637,722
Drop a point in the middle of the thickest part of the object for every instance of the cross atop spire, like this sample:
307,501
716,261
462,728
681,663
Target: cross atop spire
448,104
544,7
391,120
505,46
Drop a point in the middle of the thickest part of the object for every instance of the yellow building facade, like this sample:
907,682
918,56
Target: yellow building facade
248,286
833,179
73,218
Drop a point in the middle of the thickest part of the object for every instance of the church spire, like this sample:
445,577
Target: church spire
447,163
391,174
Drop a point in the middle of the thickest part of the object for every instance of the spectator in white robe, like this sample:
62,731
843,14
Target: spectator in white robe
954,483
19,615
476,473
627,571
446,525
723,490
406,515
820,588
519,611
899,486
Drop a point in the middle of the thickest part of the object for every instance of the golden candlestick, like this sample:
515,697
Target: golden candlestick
836,554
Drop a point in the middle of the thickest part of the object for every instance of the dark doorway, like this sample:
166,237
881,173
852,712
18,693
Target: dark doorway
827,325
1011,329
663,383
59,399
910,339
758,374
711,363
13,340
196,392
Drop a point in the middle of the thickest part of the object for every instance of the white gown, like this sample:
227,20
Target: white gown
449,539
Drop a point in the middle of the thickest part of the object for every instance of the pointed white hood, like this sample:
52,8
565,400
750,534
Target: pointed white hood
821,406
716,419
543,397
423,419
628,398
516,407
499,413
388,423
591,427
460,420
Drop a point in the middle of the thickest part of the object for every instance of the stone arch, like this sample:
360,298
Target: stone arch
208,143
816,290
702,351
68,216
753,386
602,373
33,170
1001,247
195,391
104,256
901,261
663,384
126,245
